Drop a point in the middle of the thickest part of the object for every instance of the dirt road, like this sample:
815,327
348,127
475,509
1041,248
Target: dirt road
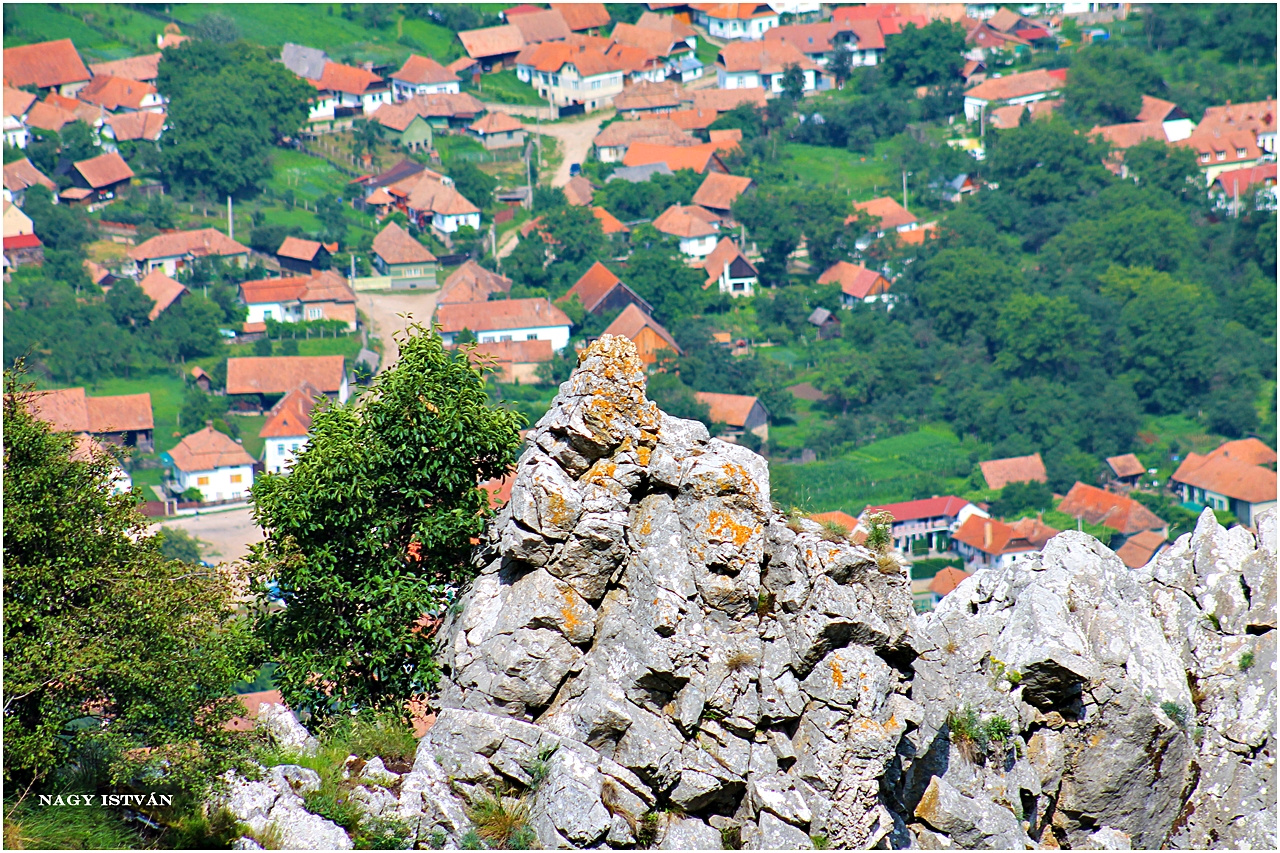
227,535
575,141
382,310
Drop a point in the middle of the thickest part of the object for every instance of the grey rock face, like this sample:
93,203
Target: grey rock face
272,805
285,730
645,618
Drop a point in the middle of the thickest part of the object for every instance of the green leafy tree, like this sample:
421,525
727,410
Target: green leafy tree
179,545
924,56
217,28
476,185
1106,84
656,270
330,210
372,526
188,329
1043,335
78,142
793,84
128,305
677,399
367,135
1170,168
840,66
107,643
1018,498
960,289
1016,160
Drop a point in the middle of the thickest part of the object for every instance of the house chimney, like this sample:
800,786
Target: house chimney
986,534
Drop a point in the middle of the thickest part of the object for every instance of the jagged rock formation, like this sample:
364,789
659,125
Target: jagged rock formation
652,655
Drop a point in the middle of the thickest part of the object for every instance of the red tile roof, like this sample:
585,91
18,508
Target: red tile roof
948,506
347,79
666,23
946,580
726,140
501,314
472,283
281,374
854,280
421,70
21,174
495,123
163,290
1235,469
397,117
991,536
700,158
492,41
132,126
1140,548
730,11
104,170
1154,109
719,191
298,249
199,243
49,63
633,320
513,352
659,43
578,192
686,221
650,96
847,522
662,130
1098,506
594,285
1015,469
723,100
22,241
120,413
142,68
397,246
291,415
1256,116
542,25
693,119
1126,465
891,214
609,223
46,116
724,254
583,16
112,93
208,450
1240,180
765,57
808,38
730,409
1015,86
16,101
1122,136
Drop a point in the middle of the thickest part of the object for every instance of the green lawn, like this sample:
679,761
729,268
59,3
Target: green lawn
865,176
250,426
707,53
166,391
309,177
931,461
100,31
441,43
318,25
346,345
505,88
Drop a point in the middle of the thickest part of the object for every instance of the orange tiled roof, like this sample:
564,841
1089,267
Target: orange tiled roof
686,221
1015,86
46,116
198,243
492,41
594,285
807,38
291,415
208,450
1126,465
1098,506
472,283
661,130
21,174
16,101
281,374
719,191
650,96
693,119
1015,469
1154,109
421,70
583,16
514,352
1240,180
112,93
1140,548
1034,531
652,41
141,68
726,140
397,117
104,170
731,409
496,122
346,78
132,126
667,23
946,580
765,57
70,410
542,25
723,100
609,223
397,246
298,249
739,11
579,192
163,290
530,313
270,290
854,280
677,157
49,63
633,320
725,253
847,522
891,214
1236,472
1122,136
991,536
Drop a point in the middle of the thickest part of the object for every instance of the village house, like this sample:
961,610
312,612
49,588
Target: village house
566,74
17,223
735,20
1126,471
343,91
296,299
1234,136
213,464
118,94
609,224
472,283
498,130
131,127
826,322
538,25
284,434
16,104
513,361
723,100
1237,188
924,526
750,65
637,64
124,420
695,228
1238,477
740,413
729,270
422,75
862,40
1141,548
612,142
857,283
532,319
269,378
602,292
19,176
889,216
986,543
104,176
718,192
178,250
409,263
494,48
433,200
161,290
649,336
583,17
87,448
936,588
1122,514
304,256
407,128
144,69
447,111
50,66
670,44
23,249
578,192
1012,90
700,158
649,99
999,473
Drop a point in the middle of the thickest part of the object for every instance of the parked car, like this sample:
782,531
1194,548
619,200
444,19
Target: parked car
575,169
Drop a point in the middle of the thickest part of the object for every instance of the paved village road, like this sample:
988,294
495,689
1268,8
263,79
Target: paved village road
382,311
227,535
575,141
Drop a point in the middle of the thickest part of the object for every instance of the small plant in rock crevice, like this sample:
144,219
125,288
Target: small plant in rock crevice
880,541
820,842
1175,712
382,833
740,661
1246,661
538,768
501,821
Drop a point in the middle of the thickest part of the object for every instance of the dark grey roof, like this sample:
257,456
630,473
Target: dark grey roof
639,174
819,316
304,61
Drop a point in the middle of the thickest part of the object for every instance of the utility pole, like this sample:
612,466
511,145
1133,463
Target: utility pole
231,225
528,173
904,190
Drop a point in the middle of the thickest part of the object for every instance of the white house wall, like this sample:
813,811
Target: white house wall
558,335
698,247
279,453
220,483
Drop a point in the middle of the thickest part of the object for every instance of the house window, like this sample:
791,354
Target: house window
295,448
237,478
266,315
1240,152
314,313
280,448
1204,158
202,481
531,337
1222,155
